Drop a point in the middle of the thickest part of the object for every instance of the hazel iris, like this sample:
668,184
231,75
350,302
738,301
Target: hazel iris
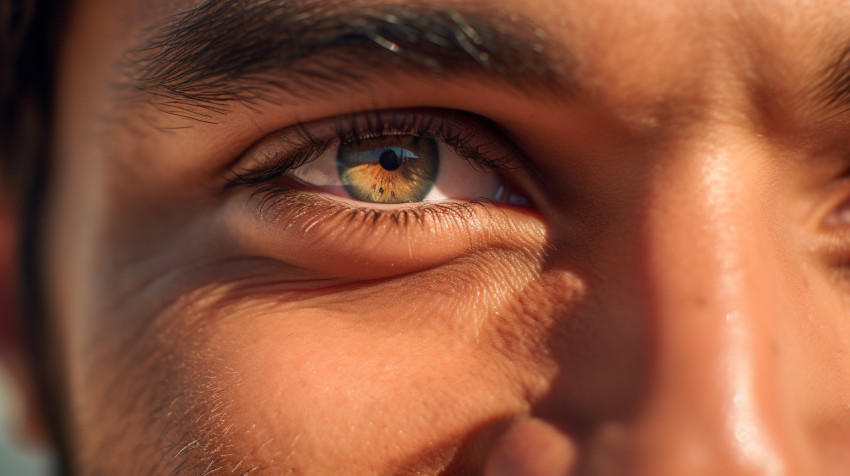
389,169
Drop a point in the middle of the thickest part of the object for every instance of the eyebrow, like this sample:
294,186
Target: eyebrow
243,50
834,91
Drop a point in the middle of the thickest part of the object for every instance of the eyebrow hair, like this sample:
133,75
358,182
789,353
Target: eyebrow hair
242,50
834,91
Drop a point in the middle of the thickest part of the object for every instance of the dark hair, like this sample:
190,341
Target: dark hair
26,64
29,34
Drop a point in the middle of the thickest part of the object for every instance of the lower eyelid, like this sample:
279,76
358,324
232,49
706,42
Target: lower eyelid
311,231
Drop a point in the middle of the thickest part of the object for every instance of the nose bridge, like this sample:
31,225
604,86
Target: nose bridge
710,283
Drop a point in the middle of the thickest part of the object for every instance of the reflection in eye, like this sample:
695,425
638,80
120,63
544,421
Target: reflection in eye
375,170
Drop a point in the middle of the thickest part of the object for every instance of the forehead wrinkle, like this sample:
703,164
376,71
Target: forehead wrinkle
242,50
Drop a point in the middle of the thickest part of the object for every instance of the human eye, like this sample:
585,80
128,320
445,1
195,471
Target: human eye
310,195
388,160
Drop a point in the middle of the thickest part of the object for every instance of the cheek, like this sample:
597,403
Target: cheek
371,380
319,392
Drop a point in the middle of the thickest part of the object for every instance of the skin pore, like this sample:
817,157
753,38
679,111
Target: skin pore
658,286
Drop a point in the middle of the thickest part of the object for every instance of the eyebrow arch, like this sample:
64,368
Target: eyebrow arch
242,50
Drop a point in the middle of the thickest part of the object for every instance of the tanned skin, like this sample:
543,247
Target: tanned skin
632,259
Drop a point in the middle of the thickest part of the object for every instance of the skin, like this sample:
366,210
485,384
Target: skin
674,303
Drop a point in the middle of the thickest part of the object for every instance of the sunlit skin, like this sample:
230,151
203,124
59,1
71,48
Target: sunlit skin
674,302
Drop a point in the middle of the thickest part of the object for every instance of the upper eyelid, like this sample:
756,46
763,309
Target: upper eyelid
306,141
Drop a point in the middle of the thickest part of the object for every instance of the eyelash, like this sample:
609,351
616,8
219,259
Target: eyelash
474,138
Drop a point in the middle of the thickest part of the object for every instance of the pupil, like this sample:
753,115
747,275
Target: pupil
389,160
